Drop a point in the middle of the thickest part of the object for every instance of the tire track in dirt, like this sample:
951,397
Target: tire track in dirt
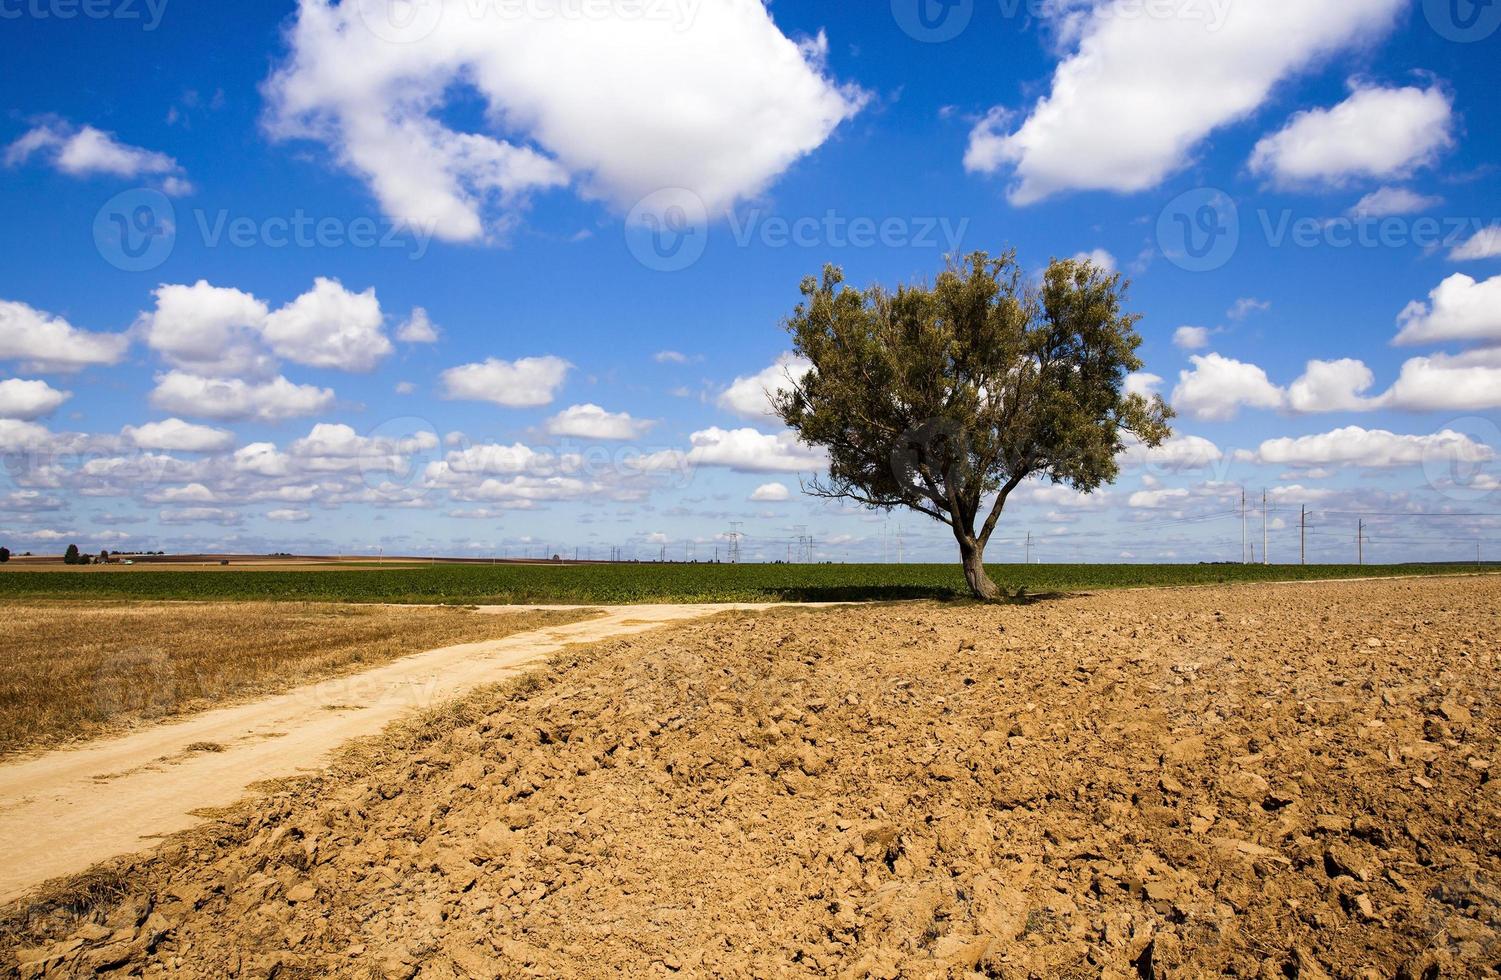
67,810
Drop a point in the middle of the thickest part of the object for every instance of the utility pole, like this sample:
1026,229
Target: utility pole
1360,542
1265,559
1029,548
1303,537
1244,541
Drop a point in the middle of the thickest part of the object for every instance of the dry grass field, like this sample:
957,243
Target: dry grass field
71,670
1272,781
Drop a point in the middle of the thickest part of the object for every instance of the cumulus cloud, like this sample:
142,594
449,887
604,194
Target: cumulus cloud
771,493
233,399
1100,258
1443,382
290,515
220,331
593,422
750,397
207,329
1354,446
1458,309
1484,244
47,343
418,328
1142,383
83,151
720,103
1386,202
1333,386
1119,116
1218,387
1247,305
329,327
749,451
526,383
1191,338
28,400
175,435
1179,454
1375,133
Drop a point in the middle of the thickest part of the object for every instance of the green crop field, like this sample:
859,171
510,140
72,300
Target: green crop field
626,584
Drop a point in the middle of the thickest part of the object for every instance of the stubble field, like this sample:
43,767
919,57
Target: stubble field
71,671
1279,781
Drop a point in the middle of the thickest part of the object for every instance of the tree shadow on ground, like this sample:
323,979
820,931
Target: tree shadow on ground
906,593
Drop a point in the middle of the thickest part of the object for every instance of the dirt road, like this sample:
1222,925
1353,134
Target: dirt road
62,812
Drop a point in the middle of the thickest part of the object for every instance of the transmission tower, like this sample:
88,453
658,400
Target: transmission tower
734,555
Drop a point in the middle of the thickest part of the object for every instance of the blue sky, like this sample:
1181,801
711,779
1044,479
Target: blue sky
223,219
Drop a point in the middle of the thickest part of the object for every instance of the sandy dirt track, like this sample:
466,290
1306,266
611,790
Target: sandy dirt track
66,810
1272,782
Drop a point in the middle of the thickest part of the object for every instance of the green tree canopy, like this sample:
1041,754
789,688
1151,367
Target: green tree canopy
945,398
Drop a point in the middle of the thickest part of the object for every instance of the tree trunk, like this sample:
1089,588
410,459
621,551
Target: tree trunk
980,584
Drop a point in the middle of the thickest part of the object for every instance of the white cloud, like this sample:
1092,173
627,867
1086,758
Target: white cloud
47,343
1100,258
1457,383
750,397
670,357
1178,454
1485,244
749,451
1153,499
1119,116
418,328
207,329
1459,308
1332,386
199,515
289,515
593,422
1191,338
526,383
1388,201
329,327
220,331
1142,383
175,435
719,103
29,400
1218,387
231,399
1370,449
1247,305
1375,133
771,493
405,388
83,151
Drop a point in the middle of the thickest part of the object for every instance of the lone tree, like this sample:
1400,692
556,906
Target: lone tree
71,556
941,398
